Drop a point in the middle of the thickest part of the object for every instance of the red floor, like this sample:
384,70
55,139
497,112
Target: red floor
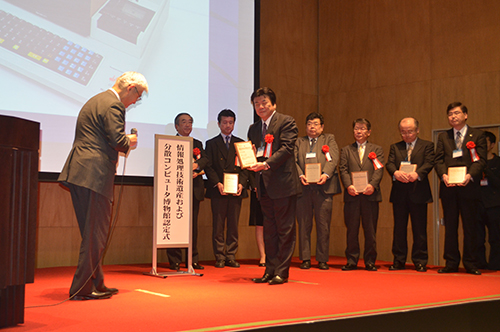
225,299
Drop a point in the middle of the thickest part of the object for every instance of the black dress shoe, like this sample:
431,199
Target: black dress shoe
232,263
323,266
370,267
262,264
220,263
305,265
420,268
397,267
475,272
265,278
448,269
349,267
197,266
277,280
175,266
113,291
95,295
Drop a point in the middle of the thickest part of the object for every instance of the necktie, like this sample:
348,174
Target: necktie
228,138
458,140
264,132
408,151
361,152
313,142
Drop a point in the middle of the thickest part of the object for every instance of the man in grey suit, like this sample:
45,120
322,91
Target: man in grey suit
277,183
410,194
317,197
89,174
361,203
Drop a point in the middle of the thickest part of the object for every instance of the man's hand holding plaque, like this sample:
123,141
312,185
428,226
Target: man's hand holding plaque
246,154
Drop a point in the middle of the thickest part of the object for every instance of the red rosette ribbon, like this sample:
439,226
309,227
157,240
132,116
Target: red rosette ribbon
473,154
374,159
269,145
197,153
326,151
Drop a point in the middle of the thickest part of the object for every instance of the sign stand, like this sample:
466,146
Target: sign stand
173,199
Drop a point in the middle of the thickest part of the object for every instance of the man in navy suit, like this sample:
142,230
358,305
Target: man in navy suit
89,174
277,183
460,146
361,204
410,193
225,206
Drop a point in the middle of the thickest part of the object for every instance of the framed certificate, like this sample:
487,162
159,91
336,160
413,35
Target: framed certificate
231,181
456,174
246,154
359,180
313,172
408,168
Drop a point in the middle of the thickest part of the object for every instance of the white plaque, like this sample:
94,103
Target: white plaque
359,180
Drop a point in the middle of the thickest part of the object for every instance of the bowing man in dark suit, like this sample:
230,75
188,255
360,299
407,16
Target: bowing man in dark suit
277,183
361,203
457,147
222,159
410,194
317,197
184,125
89,174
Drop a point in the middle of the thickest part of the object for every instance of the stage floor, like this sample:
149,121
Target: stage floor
226,299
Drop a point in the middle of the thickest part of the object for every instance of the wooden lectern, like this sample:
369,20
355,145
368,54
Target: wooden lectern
19,145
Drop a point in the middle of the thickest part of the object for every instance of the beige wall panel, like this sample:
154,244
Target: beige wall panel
130,245
55,206
289,46
464,37
399,46
57,246
344,34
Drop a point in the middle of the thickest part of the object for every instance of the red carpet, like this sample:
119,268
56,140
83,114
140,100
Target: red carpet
225,299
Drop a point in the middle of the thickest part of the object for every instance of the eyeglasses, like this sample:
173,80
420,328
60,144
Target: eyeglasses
140,97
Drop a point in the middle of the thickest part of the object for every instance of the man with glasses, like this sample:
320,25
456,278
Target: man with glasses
460,146
409,164
89,174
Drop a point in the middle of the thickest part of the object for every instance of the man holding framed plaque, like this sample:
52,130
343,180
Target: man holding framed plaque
409,164
277,182
361,170
459,147
317,157
226,183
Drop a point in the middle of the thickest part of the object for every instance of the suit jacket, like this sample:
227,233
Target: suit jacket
198,184
302,147
444,156
281,179
423,156
222,160
490,194
99,136
349,162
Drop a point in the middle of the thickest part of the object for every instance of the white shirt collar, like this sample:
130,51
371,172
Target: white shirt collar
116,93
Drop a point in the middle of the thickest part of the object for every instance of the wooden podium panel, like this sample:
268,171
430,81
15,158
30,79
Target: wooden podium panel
19,146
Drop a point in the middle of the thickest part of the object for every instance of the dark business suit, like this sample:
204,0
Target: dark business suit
410,199
222,160
89,174
316,199
364,207
277,189
460,199
175,254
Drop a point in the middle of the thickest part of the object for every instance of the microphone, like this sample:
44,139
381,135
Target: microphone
133,131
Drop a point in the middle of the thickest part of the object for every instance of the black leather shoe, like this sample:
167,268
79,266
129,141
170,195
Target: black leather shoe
262,264
277,280
475,272
370,267
323,266
397,267
197,266
220,263
420,268
113,291
95,295
448,269
175,266
265,278
349,267
232,263
305,265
